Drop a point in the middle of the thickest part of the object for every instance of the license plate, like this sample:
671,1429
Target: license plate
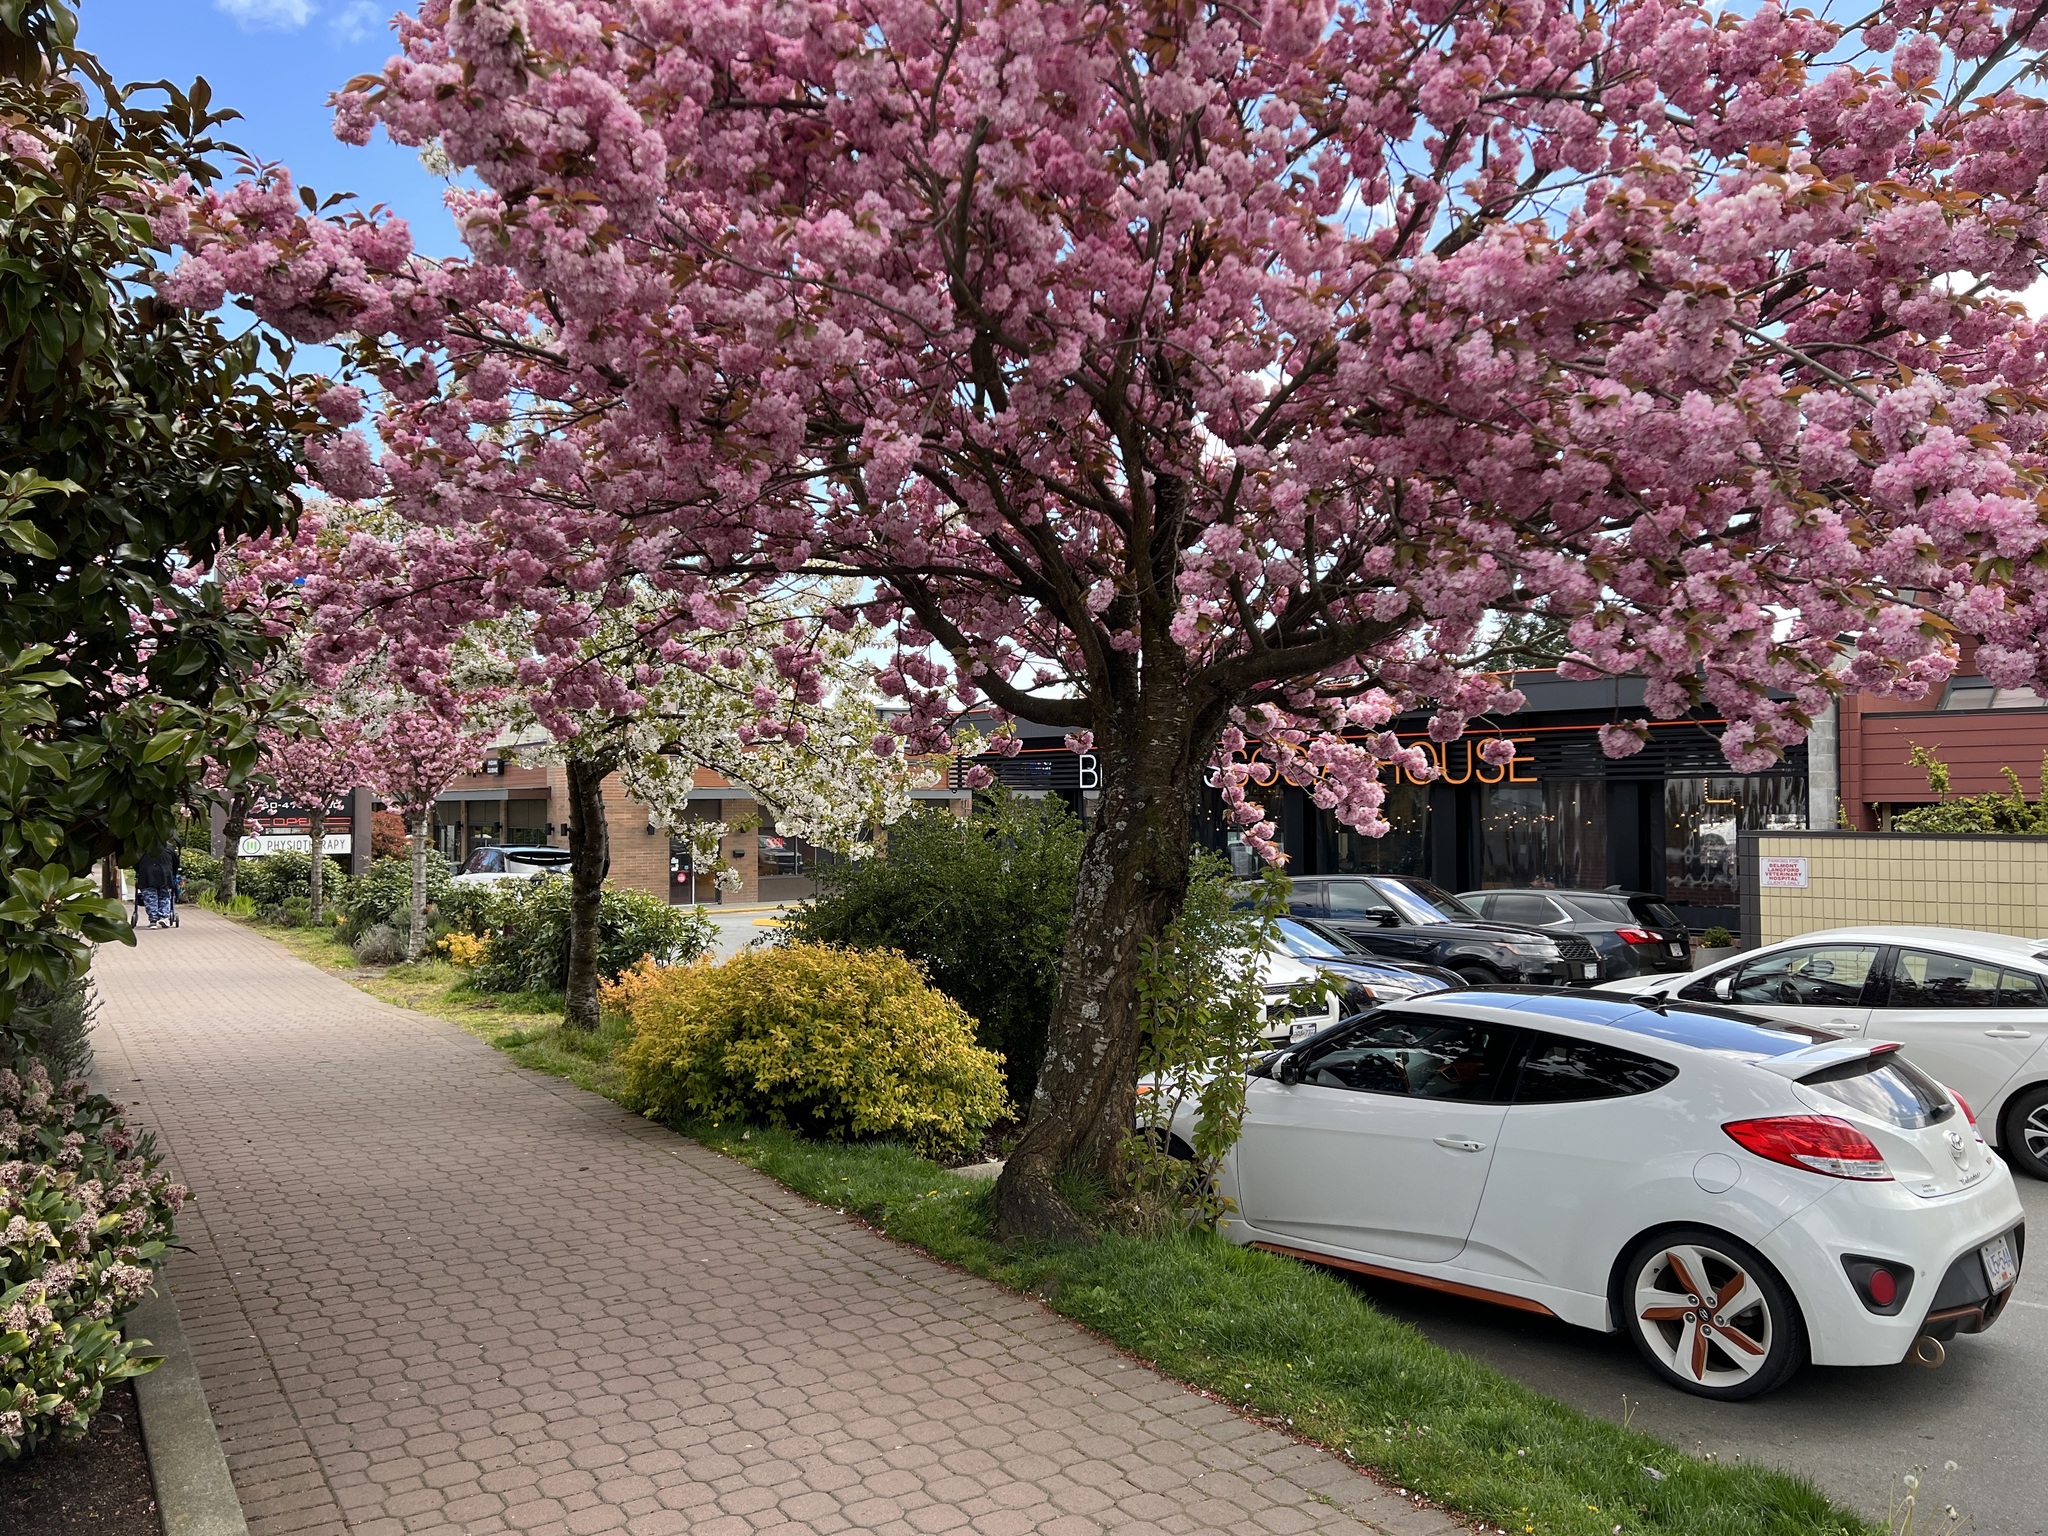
1998,1264
1676,949
1589,971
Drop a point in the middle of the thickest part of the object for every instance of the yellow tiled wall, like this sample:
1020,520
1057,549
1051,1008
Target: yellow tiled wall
1998,885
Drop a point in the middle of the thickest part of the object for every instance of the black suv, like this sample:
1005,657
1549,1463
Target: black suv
1632,932
1406,918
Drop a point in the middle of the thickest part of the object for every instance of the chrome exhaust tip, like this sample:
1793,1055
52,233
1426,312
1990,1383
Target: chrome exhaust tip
1927,1351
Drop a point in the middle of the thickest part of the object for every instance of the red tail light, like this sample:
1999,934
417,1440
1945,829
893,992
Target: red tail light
1968,1113
1816,1143
1635,936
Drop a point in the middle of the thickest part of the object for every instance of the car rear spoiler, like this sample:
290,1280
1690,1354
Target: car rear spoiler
1827,1053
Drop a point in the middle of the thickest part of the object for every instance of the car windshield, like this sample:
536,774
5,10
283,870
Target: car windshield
1418,901
1656,913
1886,1088
1600,909
1305,944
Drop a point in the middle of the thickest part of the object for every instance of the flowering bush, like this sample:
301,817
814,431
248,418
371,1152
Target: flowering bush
528,927
833,1042
84,1219
462,949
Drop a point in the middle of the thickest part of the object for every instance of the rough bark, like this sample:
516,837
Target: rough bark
1134,878
110,878
231,845
590,860
416,933
316,827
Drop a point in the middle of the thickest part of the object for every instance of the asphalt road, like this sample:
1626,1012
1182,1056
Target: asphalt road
1851,1431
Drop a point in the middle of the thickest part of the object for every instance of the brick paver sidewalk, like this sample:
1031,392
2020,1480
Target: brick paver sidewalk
430,1292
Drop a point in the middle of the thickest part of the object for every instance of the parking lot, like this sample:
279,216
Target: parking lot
1852,1431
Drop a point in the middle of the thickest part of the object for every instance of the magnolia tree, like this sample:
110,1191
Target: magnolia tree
1196,376
410,755
320,758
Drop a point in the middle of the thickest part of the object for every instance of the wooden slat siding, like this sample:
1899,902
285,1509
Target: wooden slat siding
1975,745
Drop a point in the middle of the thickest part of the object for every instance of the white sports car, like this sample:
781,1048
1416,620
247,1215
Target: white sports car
1970,1008
1740,1199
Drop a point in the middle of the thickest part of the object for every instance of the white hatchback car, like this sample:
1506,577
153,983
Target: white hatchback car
492,866
1970,1008
1739,1199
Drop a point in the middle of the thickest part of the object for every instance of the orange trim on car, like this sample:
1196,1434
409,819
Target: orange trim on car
1427,1282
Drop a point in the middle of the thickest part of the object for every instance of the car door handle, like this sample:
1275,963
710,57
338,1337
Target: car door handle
2007,1032
1461,1143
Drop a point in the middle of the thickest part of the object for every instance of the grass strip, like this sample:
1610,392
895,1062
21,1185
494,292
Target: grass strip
1291,1343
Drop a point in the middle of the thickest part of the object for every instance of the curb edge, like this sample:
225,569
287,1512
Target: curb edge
195,1496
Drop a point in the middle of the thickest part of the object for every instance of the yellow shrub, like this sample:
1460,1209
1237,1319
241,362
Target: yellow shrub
834,1042
463,949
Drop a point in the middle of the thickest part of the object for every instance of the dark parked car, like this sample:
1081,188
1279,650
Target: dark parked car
1369,979
1405,918
1633,933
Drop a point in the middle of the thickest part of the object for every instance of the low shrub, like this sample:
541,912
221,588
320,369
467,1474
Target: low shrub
57,1026
831,1042
381,944
388,839
85,1216
279,877
201,870
1717,937
462,949
943,889
528,924
382,895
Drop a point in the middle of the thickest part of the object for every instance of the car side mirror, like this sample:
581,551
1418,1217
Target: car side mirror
1386,918
1288,1068
1724,987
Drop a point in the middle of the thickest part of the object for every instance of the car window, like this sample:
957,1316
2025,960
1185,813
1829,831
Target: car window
1886,1087
1416,1058
1306,899
1599,909
1923,978
2022,989
485,861
1809,976
1522,907
1423,901
1355,899
1559,1070
1305,943
1656,913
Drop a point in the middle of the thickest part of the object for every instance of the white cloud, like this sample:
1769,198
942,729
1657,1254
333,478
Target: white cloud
284,15
359,20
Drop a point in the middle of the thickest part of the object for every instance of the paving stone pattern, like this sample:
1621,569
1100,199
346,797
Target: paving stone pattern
431,1292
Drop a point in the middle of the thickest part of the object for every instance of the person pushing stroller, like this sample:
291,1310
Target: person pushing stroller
156,884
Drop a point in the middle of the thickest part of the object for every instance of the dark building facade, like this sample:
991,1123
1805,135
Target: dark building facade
1560,814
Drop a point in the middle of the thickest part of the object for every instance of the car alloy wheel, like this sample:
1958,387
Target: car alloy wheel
1710,1315
2026,1132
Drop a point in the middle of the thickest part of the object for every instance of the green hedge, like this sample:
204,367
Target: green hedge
981,903
526,923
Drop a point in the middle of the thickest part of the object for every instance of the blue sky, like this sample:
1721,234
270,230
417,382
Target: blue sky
276,61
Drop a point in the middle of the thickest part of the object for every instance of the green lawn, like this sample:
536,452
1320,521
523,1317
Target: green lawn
1285,1341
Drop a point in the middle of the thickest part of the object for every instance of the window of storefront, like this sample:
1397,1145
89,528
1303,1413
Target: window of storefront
1405,848
1553,833
526,823
1701,820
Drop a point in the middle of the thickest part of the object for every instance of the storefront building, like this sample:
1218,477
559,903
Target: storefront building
1560,814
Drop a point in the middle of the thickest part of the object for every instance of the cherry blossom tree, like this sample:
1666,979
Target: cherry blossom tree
800,734
412,753
314,762
1197,376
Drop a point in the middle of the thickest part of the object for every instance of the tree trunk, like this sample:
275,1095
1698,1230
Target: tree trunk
316,825
416,932
590,860
110,877
1134,879
231,845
